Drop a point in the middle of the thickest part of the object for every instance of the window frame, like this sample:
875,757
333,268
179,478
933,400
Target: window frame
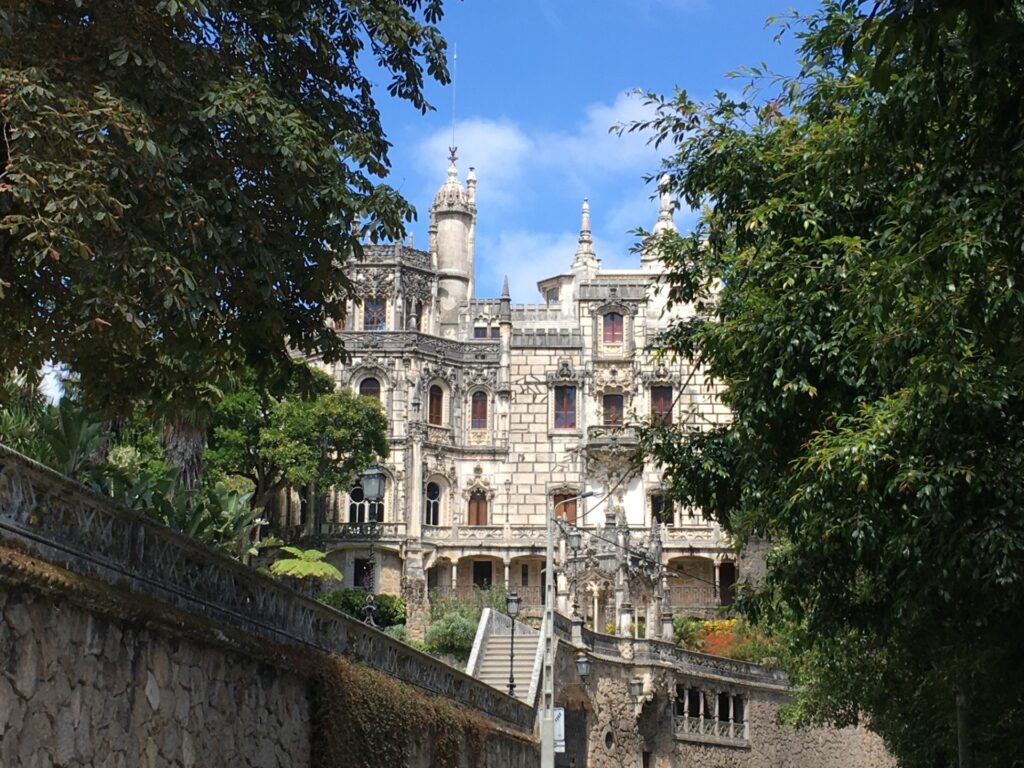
564,513
663,415
613,328
377,395
476,421
619,415
435,405
565,410
381,323
432,507
477,509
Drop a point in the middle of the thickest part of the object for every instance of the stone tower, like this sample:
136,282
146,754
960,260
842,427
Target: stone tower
452,232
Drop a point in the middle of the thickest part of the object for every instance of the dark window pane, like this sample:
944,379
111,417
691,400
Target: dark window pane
435,406
370,388
613,328
480,333
565,509
661,405
612,410
479,418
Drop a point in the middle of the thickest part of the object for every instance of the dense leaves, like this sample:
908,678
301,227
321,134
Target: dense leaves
854,284
179,182
293,430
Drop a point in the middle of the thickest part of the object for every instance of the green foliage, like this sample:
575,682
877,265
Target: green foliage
179,182
855,283
471,604
305,564
357,712
390,609
688,633
453,633
291,429
23,415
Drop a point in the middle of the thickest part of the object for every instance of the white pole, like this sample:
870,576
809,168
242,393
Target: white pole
547,715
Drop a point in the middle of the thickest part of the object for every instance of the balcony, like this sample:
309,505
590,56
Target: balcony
531,536
609,436
710,730
690,599
362,531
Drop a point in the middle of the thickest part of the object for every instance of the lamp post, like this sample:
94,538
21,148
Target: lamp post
372,482
512,606
547,716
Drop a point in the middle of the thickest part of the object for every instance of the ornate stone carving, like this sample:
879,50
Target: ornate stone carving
416,285
565,373
370,281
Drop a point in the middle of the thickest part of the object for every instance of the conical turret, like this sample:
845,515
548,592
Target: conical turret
452,233
586,261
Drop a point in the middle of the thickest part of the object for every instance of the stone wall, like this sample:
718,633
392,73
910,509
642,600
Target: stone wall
616,737
88,690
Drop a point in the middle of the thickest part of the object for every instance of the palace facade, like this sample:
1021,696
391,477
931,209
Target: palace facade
499,411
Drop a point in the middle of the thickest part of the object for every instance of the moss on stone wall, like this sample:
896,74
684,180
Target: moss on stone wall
358,714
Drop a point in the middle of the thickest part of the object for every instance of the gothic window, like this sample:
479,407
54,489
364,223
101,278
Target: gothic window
551,297
370,388
612,410
477,508
612,328
432,505
479,418
435,405
564,506
662,511
374,315
362,511
362,573
565,407
495,332
480,332
661,405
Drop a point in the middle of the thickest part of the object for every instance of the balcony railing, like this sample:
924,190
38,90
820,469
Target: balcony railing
362,531
682,598
518,535
712,730
612,435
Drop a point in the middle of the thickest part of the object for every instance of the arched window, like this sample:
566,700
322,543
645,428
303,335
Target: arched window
435,405
612,410
370,388
613,328
374,314
479,420
432,505
478,508
362,511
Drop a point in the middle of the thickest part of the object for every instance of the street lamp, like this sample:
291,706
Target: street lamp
583,666
372,481
547,719
512,606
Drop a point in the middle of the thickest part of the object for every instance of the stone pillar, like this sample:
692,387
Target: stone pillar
625,620
651,627
577,631
718,582
455,575
507,583
667,628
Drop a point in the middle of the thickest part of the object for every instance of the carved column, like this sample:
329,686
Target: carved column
414,583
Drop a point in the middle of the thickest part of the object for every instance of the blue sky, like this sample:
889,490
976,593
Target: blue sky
539,82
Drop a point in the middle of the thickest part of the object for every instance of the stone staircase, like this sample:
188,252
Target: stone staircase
494,665
492,650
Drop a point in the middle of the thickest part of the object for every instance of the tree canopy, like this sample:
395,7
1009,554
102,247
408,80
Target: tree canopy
180,181
292,430
854,284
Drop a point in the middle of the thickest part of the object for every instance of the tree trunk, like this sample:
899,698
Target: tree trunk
184,442
963,724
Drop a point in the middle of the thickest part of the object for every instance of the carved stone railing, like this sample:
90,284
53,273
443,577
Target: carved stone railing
711,730
363,531
488,533
640,652
703,596
612,435
531,536
439,435
68,525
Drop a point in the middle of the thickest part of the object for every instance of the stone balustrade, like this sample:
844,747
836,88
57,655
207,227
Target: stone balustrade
64,523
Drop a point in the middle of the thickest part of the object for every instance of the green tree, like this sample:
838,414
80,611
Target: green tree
855,285
181,182
294,430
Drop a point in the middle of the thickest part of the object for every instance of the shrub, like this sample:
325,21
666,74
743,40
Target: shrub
453,633
688,633
390,608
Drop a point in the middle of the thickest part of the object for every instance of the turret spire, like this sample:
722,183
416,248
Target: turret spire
586,260
504,289
650,257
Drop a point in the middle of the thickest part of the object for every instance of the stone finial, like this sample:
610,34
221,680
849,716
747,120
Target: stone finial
504,289
471,186
664,222
586,259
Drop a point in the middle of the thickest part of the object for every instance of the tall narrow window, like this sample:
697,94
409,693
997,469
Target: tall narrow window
432,505
370,388
612,409
478,508
613,328
661,405
662,511
479,420
435,405
374,315
565,407
565,507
